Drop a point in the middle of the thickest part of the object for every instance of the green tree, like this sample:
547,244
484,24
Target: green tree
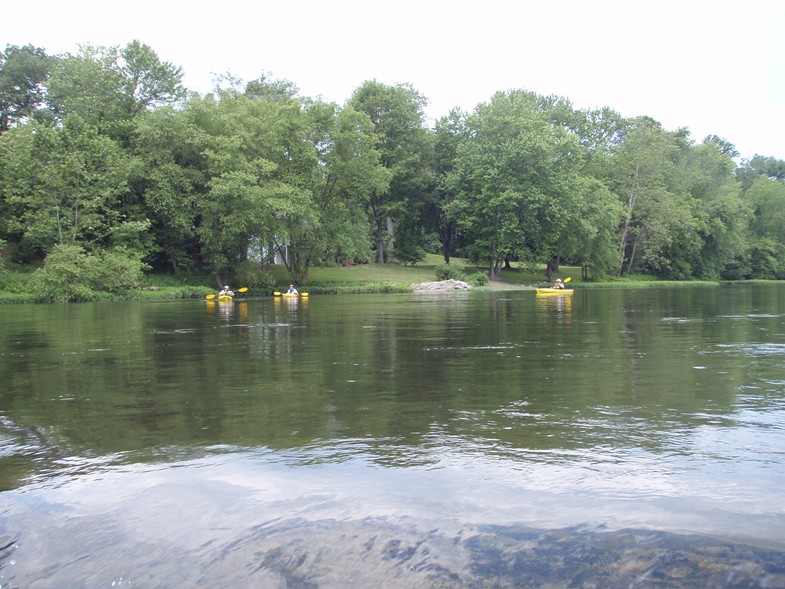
590,237
450,132
397,115
596,213
759,165
660,227
169,178
516,180
23,72
683,214
257,161
349,175
108,86
62,184
766,197
265,87
724,216
72,274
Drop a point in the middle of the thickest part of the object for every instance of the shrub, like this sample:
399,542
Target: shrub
253,275
70,274
64,276
116,270
448,272
478,279
15,282
409,254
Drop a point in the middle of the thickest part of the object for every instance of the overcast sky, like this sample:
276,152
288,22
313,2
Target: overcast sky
716,67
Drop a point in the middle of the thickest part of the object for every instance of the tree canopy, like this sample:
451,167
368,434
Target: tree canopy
105,153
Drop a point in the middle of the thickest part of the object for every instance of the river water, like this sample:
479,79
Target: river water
615,438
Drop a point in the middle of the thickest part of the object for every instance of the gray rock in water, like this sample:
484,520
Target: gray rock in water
441,285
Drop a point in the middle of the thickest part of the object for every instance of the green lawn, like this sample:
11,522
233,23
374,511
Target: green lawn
361,278
402,277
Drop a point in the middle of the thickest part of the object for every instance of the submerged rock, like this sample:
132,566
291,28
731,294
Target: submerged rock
441,285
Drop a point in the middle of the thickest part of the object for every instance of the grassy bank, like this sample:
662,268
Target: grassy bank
359,279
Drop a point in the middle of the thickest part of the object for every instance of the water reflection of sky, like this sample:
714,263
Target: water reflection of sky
426,418
200,509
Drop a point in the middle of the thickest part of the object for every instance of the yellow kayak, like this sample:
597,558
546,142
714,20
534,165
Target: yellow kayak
291,295
554,291
225,299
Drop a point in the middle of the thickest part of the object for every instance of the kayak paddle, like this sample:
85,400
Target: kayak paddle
210,297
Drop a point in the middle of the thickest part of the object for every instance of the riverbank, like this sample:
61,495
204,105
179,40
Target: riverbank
368,278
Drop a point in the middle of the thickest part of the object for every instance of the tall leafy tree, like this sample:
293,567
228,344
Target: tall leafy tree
265,87
349,175
257,163
590,237
398,118
23,73
169,178
62,184
766,197
759,165
450,132
683,213
724,216
108,86
660,214
516,180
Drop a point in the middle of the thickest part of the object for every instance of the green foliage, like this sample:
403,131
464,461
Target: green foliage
254,276
449,272
478,279
258,165
516,181
98,151
116,270
70,274
766,260
65,276
409,253
404,145
15,282
168,172
61,184
739,268
23,71
108,86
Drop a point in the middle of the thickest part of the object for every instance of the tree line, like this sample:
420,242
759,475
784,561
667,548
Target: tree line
107,161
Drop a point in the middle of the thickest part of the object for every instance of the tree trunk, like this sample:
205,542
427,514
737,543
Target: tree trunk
632,255
495,270
445,236
379,242
220,282
551,266
627,220
390,239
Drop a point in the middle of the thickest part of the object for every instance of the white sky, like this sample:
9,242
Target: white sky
716,67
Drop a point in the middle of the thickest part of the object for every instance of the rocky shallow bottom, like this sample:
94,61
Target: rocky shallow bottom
375,553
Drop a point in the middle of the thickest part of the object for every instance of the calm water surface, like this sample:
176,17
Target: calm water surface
624,438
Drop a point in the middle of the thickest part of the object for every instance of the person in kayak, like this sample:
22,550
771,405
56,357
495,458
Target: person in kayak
292,290
226,292
559,283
